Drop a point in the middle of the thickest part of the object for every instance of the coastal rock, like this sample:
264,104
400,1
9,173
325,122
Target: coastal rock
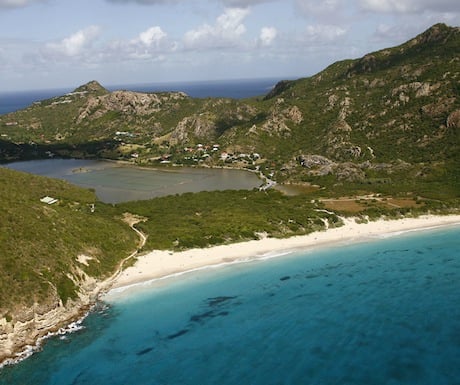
279,88
26,326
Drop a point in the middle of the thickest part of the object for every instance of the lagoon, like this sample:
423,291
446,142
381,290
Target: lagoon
116,182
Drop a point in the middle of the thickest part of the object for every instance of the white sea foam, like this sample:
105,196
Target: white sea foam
31,349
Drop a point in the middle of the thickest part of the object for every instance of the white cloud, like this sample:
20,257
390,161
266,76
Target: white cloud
410,6
324,33
152,37
17,3
316,7
226,32
145,2
392,33
227,3
267,36
75,44
150,44
243,3
287,36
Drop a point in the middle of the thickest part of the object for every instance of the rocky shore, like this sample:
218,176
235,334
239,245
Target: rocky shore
23,334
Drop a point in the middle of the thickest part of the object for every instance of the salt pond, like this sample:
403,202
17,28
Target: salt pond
115,182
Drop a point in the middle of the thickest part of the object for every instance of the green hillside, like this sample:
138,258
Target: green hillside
40,243
391,117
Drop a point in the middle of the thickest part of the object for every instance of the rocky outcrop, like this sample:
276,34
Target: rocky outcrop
439,107
27,325
279,88
437,33
420,89
281,118
198,127
92,87
318,165
127,102
453,120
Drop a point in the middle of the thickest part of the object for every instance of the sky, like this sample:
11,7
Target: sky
47,44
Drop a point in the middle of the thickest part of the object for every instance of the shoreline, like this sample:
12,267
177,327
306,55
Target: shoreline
161,264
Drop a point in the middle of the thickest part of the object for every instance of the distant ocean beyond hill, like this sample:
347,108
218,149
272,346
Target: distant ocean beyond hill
237,89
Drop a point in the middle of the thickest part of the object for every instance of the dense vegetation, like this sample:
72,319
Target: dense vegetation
40,243
209,218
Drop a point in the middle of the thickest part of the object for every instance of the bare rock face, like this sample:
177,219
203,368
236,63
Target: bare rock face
197,126
277,122
434,34
28,324
349,172
453,121
438,108
127,102
317,165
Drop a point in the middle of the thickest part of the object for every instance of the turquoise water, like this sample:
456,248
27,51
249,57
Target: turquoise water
381,312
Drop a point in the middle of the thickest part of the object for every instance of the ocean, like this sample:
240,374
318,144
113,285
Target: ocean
383,311
236,89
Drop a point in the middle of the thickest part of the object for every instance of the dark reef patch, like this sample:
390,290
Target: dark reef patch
144,351
178,334
215,301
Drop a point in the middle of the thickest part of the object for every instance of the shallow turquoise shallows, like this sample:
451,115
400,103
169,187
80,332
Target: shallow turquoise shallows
380,312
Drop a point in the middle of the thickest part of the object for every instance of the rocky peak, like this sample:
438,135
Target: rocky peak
92,87
437,33
434,37
128,102
279,88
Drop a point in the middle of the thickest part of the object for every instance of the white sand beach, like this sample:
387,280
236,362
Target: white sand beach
158,264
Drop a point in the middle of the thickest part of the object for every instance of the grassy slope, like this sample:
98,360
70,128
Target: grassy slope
39,243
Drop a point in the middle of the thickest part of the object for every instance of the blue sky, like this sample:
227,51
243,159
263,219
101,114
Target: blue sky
66,43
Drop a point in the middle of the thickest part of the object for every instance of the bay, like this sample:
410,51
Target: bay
378,312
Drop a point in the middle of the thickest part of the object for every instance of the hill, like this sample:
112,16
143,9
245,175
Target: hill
390,117
52,255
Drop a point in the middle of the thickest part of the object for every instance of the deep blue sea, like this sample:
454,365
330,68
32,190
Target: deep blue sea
385,311
237,89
